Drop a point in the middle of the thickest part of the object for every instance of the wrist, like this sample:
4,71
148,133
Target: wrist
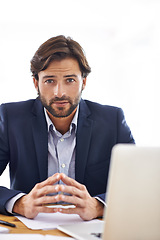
18,207
10,203
99,208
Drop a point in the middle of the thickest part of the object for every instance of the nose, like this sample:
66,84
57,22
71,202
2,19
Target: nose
59,90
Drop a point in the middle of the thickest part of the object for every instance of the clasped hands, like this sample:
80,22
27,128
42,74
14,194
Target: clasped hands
36,200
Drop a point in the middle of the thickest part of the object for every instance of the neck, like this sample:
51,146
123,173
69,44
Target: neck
62,124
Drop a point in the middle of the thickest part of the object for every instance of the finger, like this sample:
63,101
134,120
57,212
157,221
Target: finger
49,181
47,200
72,200
44,209
70,181
80,192
82,212
75,210
49,189
71,190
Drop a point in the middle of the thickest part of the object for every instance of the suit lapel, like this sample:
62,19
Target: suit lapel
40,135
84,131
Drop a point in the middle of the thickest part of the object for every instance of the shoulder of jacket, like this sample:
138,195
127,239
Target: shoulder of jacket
95,105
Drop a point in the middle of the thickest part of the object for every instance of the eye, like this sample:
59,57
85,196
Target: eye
49,81
70,80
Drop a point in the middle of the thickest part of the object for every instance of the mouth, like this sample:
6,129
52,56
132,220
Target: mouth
60,103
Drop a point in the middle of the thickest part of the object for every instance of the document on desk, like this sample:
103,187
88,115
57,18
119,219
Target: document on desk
32,236
47,221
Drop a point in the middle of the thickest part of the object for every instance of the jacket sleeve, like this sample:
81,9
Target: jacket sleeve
5,194
124,135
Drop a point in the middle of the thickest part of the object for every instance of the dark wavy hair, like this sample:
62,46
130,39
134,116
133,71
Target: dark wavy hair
58,48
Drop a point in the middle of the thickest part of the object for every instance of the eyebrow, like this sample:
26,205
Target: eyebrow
49,76
71,75
52,76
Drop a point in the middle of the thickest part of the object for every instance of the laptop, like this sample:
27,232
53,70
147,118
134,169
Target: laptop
133,198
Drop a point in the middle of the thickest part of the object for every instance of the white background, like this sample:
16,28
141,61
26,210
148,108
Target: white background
121,39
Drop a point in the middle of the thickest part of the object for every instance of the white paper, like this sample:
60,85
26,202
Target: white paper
32,236
51,237
4,230
50,220
21,236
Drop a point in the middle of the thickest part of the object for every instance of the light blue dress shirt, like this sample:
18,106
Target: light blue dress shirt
61,148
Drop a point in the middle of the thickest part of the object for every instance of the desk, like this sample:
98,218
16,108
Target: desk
21,228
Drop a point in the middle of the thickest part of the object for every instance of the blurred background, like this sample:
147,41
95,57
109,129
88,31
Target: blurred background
121,39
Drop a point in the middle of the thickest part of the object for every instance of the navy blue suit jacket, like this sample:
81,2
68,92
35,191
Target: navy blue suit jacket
24,145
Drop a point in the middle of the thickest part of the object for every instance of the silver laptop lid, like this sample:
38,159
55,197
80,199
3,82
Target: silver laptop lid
133,199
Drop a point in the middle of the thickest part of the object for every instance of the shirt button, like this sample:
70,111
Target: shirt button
63,165
62,139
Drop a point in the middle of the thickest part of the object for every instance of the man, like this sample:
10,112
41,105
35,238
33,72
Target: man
58,146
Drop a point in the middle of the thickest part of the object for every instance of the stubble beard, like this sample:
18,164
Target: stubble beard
60,112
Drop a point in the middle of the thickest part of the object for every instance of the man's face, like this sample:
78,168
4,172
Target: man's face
60,87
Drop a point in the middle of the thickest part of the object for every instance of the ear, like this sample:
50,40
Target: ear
35,84
84,83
